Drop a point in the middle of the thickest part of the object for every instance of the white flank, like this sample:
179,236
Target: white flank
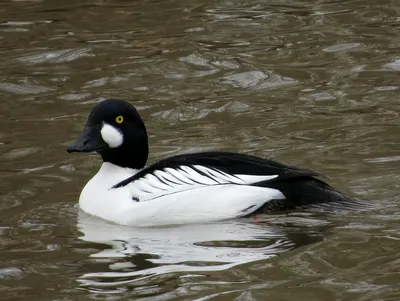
173,196
111,135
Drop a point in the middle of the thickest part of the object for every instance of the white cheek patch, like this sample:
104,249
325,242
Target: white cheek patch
111,135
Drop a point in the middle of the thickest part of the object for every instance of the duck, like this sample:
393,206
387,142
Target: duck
186,188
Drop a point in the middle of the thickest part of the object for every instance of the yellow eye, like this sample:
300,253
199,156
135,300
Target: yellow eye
119,119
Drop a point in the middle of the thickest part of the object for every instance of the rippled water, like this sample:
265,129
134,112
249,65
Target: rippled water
309,83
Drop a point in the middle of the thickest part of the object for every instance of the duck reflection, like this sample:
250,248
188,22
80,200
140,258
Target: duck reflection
136,253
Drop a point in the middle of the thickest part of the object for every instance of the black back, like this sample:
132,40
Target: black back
299,186
231,163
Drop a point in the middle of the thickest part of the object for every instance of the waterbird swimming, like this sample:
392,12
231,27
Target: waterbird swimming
188,188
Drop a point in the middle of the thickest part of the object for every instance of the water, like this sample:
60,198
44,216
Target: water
309,83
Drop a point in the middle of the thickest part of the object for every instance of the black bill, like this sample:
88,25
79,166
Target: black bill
90,140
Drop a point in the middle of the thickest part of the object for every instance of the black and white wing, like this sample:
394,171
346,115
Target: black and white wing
191,171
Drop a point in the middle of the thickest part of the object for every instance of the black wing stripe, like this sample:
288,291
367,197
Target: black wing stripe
161,179
222,176
169,177
197,177
155,182
226,174
216,176
177,175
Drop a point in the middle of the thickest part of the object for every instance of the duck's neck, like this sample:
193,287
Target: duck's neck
111,174
125,157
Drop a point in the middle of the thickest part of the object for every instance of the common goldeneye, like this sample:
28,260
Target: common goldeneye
199,187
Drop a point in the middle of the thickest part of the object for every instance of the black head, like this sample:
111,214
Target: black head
116,131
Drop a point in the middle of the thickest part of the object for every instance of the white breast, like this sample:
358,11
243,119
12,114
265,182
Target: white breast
174,196
99,199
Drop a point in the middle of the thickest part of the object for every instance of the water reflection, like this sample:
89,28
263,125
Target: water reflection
133,254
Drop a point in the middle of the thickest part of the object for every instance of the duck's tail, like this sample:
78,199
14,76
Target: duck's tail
308,192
